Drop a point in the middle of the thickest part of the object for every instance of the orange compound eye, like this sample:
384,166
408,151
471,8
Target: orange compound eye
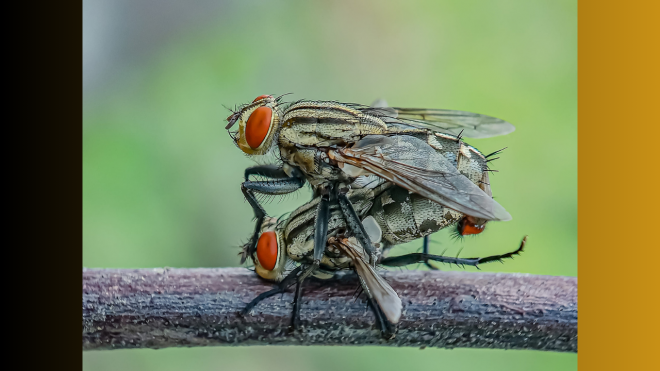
465,227
261,97
267,250
257,126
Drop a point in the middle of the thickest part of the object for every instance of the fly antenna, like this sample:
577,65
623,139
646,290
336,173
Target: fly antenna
229,109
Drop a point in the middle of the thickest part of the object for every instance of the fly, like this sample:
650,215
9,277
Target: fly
285,246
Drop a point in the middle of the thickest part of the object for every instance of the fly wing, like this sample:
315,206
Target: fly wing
412,164
374,285
471,125
379,103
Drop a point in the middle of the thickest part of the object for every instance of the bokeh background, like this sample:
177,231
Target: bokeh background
161,176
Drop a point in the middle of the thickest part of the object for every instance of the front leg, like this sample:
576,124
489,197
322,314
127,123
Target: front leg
280,288
259,216
270,171
275,187
268,187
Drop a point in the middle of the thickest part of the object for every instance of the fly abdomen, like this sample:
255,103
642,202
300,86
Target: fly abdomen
404,216
393,211
430,216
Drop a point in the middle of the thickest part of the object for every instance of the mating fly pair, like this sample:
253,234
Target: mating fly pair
332,145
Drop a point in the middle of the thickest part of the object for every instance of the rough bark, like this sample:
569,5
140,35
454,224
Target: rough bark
159,308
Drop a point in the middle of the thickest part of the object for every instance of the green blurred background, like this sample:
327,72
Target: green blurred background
161,176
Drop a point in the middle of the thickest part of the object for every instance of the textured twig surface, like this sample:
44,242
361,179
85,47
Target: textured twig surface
158,308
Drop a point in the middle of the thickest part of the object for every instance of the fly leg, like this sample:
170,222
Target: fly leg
385,326
387,329
425,250
295,316
508,255
280,288
286,184
282,184
270,171
259,215
399,261
320,239
354,224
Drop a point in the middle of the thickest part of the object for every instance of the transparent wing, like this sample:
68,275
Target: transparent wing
374,285
412,164
379,103
472,125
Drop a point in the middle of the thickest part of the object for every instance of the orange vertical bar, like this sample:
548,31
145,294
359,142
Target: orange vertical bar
618,137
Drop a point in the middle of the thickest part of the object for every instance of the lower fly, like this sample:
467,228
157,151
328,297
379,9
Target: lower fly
285,247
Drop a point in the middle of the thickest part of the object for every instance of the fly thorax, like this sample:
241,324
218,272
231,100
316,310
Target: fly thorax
335,263
300,245
304,159
314,163
299,232
323,274
327,168
329,121
322,124
292,135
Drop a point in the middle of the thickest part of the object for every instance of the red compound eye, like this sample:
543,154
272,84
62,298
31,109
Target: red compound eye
261,97
466,227
267,250
257,126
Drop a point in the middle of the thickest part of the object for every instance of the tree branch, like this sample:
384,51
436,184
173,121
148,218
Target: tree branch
159,308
